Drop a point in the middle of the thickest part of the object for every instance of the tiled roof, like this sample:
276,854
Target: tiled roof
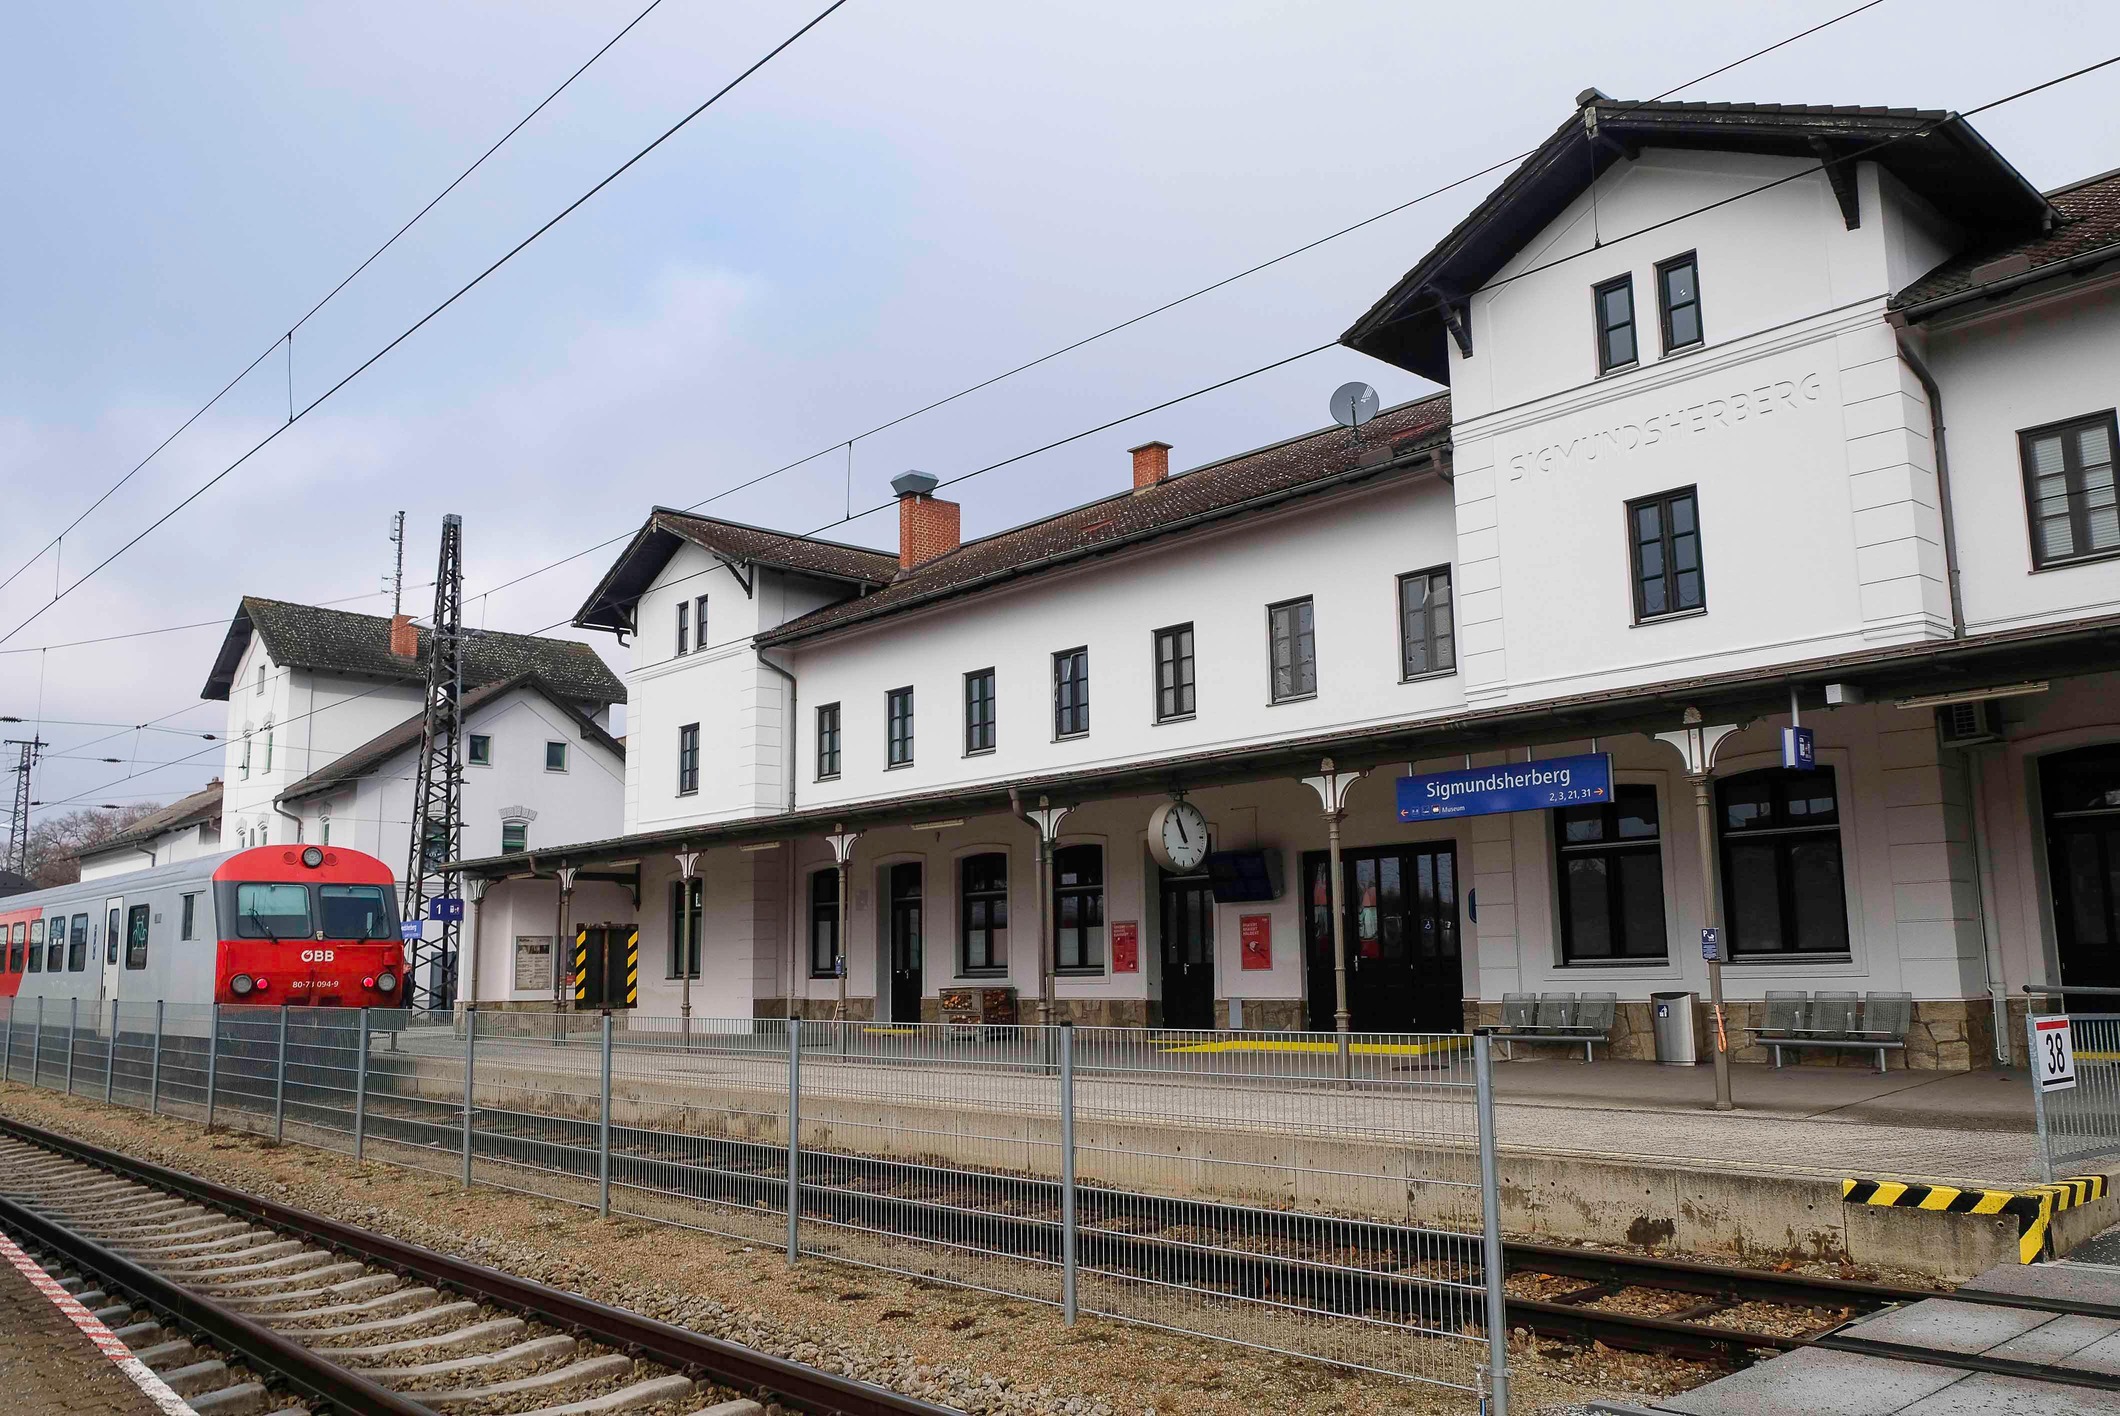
2090,221
406,735
1312,463
339,641
13,884
610,604
201,805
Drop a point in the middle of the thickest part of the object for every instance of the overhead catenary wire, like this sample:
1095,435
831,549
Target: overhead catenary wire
348,279
432,314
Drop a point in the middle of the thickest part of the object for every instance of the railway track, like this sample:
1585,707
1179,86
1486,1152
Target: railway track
261,1308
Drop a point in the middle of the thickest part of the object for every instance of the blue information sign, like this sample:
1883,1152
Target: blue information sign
410,929
1711,944
1515,786
445,908
1797,749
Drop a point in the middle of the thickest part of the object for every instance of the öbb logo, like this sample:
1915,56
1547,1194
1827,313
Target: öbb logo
317,956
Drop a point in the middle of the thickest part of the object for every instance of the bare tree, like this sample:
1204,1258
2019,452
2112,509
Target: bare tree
56,842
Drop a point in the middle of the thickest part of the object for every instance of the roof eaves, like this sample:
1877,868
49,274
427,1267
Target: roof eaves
1915,312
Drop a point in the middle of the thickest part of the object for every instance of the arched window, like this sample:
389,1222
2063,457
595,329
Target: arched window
982,914
1783,891
1078,909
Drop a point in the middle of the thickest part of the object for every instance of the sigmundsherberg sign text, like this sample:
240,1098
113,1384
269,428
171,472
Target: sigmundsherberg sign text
1515,786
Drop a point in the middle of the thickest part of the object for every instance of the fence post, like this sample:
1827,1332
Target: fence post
1492,1267
470,1055
360,1088
2046,1141
1067,1172
603,1128
794,1135
213,1055
73,1025
110,1056
154,1067
279,1083
36,1048
7,1044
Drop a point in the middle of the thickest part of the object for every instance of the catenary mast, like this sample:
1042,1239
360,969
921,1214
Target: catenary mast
438,796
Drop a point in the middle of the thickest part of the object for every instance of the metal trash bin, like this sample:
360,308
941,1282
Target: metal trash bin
1672,1015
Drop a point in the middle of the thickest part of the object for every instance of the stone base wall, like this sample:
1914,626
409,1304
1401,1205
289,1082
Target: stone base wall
1947,1035
1264,1014
859,1010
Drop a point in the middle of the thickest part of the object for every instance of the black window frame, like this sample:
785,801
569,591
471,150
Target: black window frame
898,726
686,897
688,760
982,909
684,629
824,915
1176,659
188,911
1604,331
1785,834
1689,260
981,726
1297,691
1435,645
1071,693
34,958
76,947
139,922
564,754
478,749
1610,845
699,625
2074,492
1666,541
828,729
1087,898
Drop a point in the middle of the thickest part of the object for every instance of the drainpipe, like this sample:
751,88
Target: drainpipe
291,817
789,738
1943,480
1983,891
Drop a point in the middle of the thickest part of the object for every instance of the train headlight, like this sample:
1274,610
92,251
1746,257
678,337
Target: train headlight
241,984
312,857
385,982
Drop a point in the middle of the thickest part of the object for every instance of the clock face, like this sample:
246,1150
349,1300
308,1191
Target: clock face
1180,838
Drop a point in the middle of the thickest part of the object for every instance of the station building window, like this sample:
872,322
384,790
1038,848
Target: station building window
827,741
1427,624
1616,345
1175,694
1611,879
688,759
1071,693
555,757
1078,909
699,624
979,711
480,751
1783,890
982,914
2068,488
824,923
684,628
1678,300
1664,532
898,728
688,904
1292,641
515,837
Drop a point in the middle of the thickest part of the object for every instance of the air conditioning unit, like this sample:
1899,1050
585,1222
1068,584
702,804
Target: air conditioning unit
1969,724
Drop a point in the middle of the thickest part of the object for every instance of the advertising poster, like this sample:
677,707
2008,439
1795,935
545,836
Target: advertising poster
1255,940
1126,946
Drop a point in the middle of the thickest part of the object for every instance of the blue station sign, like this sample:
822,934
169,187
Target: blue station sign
1514,786
447,908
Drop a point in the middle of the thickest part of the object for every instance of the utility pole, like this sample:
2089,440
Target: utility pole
438,796
17,857
397,576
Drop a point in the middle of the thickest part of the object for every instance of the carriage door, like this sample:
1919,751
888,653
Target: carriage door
1188,930
113,949
905,943
2081,793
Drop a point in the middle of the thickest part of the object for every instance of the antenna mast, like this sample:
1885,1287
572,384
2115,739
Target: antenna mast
397,576
17,857
438,798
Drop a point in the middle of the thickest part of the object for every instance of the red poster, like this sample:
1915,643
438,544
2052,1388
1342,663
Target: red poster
1255,935
1126,947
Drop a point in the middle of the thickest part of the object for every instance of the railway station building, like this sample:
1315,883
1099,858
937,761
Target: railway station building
1750,417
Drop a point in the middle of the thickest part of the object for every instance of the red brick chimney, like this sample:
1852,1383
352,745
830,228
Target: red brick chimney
927,528
404,639
1151,464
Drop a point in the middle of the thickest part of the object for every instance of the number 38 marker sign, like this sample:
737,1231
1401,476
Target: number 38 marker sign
2055,1043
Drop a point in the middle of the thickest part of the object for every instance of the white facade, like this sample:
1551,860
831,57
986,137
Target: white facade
201,838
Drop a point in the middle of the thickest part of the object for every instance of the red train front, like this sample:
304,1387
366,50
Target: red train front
309,926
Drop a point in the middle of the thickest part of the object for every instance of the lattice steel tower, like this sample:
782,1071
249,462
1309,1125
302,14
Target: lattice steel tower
437,798
17,858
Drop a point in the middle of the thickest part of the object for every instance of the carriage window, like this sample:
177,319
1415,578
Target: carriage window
36,934
190,926
36,956
272,911
113,926
136,921
355,912
76,948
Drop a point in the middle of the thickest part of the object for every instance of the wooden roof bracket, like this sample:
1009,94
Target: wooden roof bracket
741,578
1841,174
1457,318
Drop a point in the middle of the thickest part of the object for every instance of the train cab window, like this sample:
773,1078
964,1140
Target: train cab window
188,928
36,956
268,911
76,947
136,921
356,912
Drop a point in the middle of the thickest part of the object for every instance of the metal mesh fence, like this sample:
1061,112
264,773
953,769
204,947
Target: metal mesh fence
1320,1196
2080,1123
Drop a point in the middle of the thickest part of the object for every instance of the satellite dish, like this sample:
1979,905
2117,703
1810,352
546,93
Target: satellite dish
1353,404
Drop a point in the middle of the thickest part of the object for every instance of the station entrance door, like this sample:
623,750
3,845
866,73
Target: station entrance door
1404,968
1187,926
2080,791
606,966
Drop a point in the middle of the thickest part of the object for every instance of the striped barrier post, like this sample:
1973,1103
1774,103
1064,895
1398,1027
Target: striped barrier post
633,967
2033,1209
581,965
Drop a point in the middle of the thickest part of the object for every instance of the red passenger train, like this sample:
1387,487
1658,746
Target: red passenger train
311,926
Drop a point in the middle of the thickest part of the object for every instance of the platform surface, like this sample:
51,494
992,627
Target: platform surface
48,1367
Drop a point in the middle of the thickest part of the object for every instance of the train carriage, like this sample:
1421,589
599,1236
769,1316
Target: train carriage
308,926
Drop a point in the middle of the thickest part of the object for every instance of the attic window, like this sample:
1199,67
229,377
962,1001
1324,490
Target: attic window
1615,324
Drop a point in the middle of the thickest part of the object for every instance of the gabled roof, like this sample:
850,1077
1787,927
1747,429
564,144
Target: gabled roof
2088,232
1302,466
609,605
1936,154
13,884
339,641
385,745
202,805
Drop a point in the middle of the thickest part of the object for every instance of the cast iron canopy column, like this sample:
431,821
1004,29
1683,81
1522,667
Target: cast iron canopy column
1697,743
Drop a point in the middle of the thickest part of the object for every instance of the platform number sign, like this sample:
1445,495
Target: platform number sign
2054,1040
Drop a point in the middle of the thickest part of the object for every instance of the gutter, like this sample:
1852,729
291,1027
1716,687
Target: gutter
1943,479
291,817
794,724
1994,289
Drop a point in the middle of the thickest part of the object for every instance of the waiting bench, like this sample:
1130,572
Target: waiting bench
1829,1020
1557,1017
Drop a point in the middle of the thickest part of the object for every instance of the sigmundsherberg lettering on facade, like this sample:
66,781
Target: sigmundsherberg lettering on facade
1783,396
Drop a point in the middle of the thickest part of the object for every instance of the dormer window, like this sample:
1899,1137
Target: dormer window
1678,297
1615,324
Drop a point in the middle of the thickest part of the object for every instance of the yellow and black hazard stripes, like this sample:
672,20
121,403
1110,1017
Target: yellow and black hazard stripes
2034,1209
581,965
633,966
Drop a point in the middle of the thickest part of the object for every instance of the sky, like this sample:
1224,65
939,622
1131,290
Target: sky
916,196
